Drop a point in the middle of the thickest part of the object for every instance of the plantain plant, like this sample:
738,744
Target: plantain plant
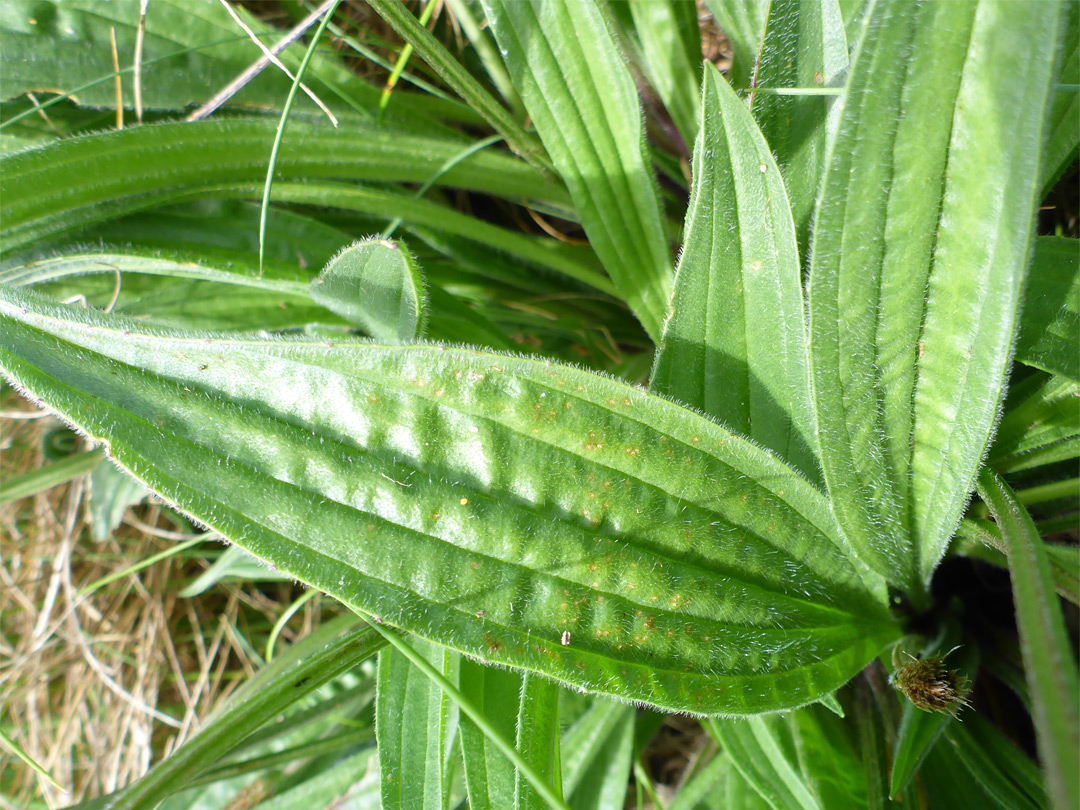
566,487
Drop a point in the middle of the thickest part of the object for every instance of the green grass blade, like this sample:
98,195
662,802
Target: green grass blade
333,649
735,342
671,44
598,764
1048,659
416,729
1050,323
376,284
454,74
1004,772
669,544
920,247
49,476
1042,419
584,103
537,737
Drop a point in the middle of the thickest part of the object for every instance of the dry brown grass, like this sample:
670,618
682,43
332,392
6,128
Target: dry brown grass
97,687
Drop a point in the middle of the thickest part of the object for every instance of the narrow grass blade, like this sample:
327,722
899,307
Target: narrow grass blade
754,747
583,101
454,74
1004,772
489,776
49,476
377,285
1048,659
918,263
734,344
333,649
1041,424
676,589
598,757
1050,323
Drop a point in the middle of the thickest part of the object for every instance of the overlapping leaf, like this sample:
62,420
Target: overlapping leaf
583,101
920,245
734,344
516,510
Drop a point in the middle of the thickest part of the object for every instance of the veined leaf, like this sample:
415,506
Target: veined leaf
416,725
1042,426
920,245
1006,774
489,775
600,535
89,178
1050,324
755,748
805,47
377,285
538,739
1048,660
734,344
584,104
1063,142
671,44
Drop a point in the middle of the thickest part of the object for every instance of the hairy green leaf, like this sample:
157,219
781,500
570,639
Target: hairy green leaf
734,344
743,22
1048,659
86,179
583,101
377,285
1050,325
489,776
603,536
598,752
920,246
1063,141
416,725
671,44
1041,424
804,47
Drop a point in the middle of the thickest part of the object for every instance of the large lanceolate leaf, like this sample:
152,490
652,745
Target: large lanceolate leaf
520,511
735,342
921,240
91,178
584,103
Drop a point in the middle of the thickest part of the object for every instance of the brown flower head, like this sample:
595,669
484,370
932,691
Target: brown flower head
931,686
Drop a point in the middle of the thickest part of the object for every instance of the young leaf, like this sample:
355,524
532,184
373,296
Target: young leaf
1048,659
377,285
512,509
734,344
920,245
583,101
1043,426
1050,324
